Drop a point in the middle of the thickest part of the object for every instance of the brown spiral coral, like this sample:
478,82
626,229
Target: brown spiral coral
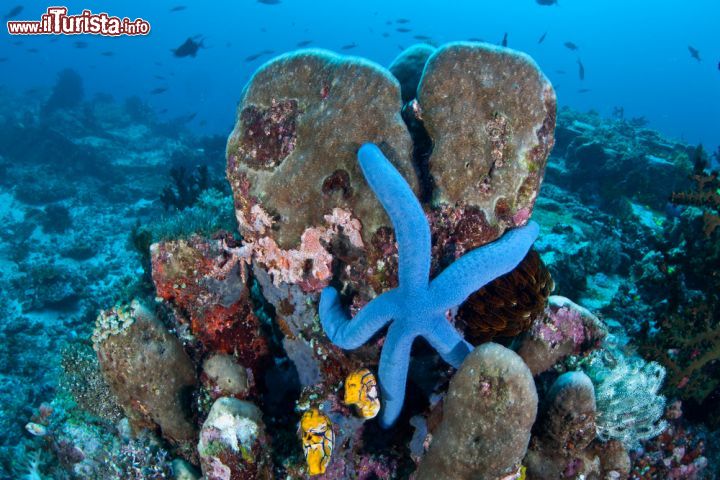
508,305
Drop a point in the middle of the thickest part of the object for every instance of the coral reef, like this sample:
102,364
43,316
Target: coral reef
566,328
258,358
233,445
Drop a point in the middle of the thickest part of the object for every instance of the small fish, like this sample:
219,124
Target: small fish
159,77
257,55
422,37
80,44
542,37
546,3
349,46
164,110
18,42
581,69
570,46
188,49
694,52
403,30
504,40
385,34
402,20
583,90
560,72
32,50
269,2
3,59
158,91
107,54
14,12
36,429
178,8
304,43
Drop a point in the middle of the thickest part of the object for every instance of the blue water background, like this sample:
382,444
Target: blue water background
635,52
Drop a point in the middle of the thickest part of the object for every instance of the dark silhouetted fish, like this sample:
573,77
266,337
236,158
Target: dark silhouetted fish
504,40
188,49
269,2
581,69
546,2
158,91
385,34
561,72
403,30
164,110
159,77
257,55
107,54
14,12
32,50
583,90
3,59
570,46
80,44
304,43
402,20
349,46
694,52
178,8
542,37
422,37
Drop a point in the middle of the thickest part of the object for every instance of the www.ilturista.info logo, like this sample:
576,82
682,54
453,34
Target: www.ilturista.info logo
57,22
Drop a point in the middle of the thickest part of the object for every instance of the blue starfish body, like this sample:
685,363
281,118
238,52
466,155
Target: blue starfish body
417,307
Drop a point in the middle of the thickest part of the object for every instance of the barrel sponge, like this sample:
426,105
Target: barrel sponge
408,67
488,414
568,420
291,158
490,112
147,370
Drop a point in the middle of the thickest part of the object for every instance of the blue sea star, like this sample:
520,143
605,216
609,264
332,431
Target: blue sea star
417,307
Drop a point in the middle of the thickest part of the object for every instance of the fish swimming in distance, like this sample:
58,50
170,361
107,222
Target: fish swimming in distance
694,52
189,48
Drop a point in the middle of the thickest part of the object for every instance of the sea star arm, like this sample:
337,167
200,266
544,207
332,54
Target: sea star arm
411,227
448,342
482,265
393,370
350,334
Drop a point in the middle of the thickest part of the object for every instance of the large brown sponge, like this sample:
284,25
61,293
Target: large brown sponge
490,112
300,122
